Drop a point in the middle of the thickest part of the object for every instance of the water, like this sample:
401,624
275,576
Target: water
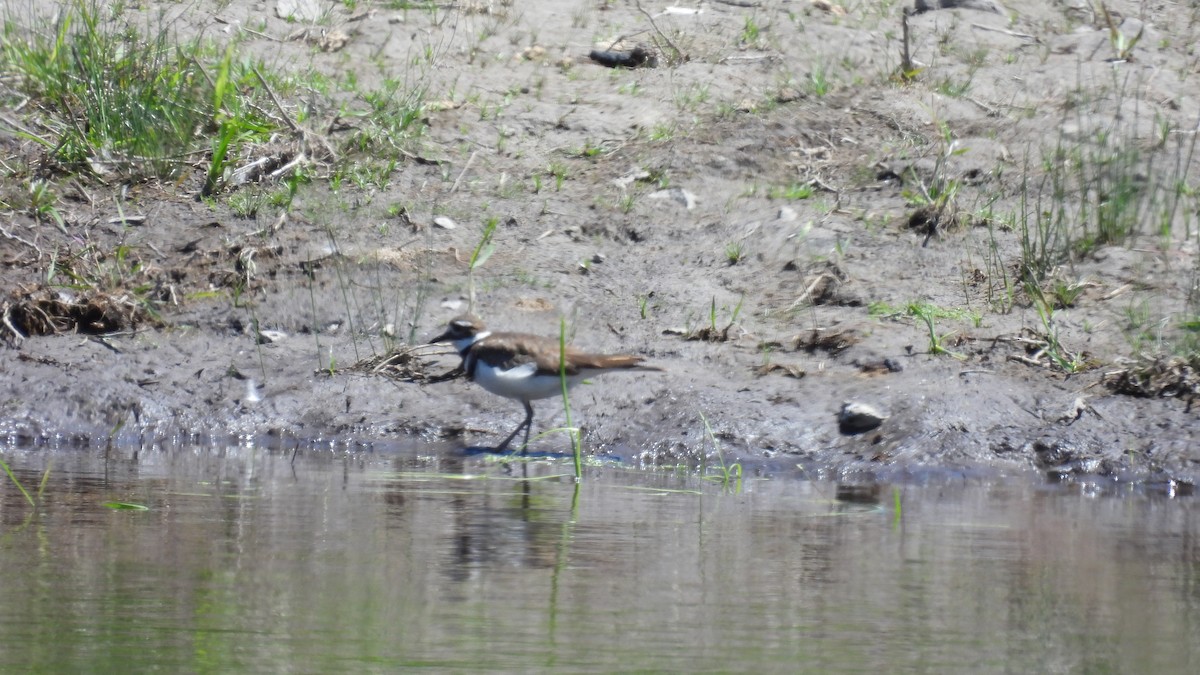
376,561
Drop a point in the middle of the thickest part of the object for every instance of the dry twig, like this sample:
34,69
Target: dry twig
30,244
466,167
679,56
308,137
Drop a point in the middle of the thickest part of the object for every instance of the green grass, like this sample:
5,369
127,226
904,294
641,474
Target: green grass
939,195
1104,186
1064,293
733,315
560,172
113,97
1108,180
728,475
126,506
483,250
690,98
818,81
572,430
953,88
1053,348
928,314
918,308
118,97
120,100
1122,44
662,132
734,252
590,151
750,31
38,200
20,488
793,191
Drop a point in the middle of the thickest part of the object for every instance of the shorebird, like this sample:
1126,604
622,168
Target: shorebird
525,367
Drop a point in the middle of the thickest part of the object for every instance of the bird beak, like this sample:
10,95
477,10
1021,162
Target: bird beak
444,337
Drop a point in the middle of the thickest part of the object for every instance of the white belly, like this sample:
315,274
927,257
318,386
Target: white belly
520,383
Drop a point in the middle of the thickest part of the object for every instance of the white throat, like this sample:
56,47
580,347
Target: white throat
463,344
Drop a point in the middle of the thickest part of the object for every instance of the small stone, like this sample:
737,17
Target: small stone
982,5
631,177
683,197
787,214
127,220
445,222
826,6
333,40
855,418
267,337
787,95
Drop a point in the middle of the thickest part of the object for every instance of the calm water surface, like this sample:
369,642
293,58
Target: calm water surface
375,561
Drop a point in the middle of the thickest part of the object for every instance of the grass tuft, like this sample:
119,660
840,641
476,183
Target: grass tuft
122,101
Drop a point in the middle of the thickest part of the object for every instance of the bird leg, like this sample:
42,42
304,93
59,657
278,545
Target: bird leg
527,424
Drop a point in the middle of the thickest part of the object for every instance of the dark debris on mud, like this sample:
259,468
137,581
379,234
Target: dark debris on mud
42,310
785,369
1161,377
406,364
828,341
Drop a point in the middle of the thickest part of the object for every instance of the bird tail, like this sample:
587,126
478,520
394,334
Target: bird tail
616,362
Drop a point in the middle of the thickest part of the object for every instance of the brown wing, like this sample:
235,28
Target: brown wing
545,352
496,349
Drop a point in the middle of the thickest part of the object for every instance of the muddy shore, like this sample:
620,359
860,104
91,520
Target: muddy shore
770,241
